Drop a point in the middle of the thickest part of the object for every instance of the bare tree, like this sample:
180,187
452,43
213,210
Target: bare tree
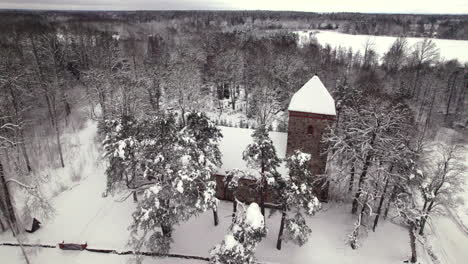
394,59
424,52
183,82
265,105
443,178
47,54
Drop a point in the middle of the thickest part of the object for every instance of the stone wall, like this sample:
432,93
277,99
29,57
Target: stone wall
305,133
246,192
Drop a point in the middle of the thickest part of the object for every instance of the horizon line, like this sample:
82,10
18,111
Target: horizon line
225,10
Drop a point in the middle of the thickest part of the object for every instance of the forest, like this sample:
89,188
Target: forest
409,25
159,85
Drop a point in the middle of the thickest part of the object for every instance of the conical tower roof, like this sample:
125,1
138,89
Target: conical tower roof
314,98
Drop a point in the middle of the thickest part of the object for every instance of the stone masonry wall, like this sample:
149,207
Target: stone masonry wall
305,133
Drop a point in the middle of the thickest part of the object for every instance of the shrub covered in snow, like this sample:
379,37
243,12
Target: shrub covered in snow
238,247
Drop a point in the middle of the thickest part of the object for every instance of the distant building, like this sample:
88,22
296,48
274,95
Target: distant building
311,111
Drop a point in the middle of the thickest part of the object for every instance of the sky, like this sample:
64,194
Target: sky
363,6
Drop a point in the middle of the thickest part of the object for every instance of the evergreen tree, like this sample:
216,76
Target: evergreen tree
178,178
120,148
203,145
296,196
261,155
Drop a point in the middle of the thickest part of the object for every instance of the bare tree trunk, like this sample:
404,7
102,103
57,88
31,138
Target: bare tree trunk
280,234
167,230
55,124
451,86
431,106
392,198
50,103
4,215
232,94
362,178
59,144
425,217
379,209
414,257
21,133
416,81
151,99
461,98
423,103
23,149
234,208
9,204
2,226
215,217
351,179
262,193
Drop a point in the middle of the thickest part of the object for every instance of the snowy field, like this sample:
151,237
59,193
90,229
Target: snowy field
449,49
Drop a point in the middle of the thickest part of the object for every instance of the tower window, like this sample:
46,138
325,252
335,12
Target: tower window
310,130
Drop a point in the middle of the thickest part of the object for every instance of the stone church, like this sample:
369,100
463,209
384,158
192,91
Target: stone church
311,111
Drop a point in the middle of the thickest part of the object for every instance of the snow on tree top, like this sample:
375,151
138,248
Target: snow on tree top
313,97
235,141
254,217
230,241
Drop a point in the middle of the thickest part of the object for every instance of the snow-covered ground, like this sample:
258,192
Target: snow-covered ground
84,215
56,256
448,240
447,233
236,140
462,210
449,49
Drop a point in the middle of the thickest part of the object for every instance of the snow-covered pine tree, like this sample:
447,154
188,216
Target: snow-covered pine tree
261,155
179,182
238,247
202,141
120,148
296,196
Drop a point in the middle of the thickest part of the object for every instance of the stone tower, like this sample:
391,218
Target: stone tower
311,110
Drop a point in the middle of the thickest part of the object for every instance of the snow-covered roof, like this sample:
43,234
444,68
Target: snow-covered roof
235,141
313,97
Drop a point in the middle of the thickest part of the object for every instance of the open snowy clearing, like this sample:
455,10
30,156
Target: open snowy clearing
449,49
